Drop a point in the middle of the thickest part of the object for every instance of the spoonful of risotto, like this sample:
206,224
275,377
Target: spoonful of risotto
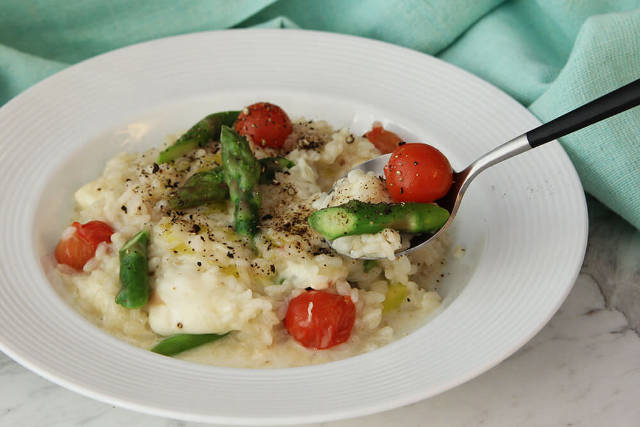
396,203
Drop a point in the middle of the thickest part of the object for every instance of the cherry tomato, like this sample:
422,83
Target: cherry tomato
94,232
81,246
265,124
319,319
418,173
385,141
74,252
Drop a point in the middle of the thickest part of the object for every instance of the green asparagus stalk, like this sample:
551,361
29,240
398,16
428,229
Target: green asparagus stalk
241,174
369,264
271,165
209,186
182,342
134,276
356,217
200,188
199,135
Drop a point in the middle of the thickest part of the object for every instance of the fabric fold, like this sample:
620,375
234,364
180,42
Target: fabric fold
550,56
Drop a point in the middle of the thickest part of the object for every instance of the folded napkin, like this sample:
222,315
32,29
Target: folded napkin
552,56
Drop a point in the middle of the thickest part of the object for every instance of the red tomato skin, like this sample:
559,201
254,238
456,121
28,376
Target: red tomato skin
77,249
319,319
385,141
74,252
418,173
94,232
264,124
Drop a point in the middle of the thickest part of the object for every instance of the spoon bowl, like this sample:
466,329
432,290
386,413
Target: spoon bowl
461,180
376,165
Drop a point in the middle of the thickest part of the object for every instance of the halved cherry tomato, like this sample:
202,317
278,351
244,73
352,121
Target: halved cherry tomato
385,141
418,173
77,249
265,124
319,319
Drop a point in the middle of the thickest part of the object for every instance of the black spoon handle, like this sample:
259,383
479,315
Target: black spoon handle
606,106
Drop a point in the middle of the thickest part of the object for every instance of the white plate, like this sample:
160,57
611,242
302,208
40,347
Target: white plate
524,223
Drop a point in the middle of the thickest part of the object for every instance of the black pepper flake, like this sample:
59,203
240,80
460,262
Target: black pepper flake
272,268
321,251
199,264
156,168
308,288
124,208
230,254
196,228
401,143
401,190
415,163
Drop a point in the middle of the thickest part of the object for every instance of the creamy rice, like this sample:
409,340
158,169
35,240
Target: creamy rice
205,279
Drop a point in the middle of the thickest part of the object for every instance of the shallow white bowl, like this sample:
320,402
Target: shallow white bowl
523,223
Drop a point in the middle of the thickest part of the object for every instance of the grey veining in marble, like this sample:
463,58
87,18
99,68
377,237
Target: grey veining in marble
613,259
582,369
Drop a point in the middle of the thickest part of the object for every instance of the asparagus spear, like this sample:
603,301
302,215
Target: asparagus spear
134,276
209,186
270,165
178,343
201,188
241,174
369,264
356,217
199,135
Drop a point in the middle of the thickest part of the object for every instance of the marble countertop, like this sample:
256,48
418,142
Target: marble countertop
582,369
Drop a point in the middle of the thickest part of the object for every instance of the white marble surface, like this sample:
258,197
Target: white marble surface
582,369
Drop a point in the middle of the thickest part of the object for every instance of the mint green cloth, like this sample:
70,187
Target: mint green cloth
551,55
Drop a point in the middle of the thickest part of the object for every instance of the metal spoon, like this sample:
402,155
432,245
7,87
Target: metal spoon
602,108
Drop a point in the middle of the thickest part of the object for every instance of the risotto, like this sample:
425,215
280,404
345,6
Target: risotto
205,278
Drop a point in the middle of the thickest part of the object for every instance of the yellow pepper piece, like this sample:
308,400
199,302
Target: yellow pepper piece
396,294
